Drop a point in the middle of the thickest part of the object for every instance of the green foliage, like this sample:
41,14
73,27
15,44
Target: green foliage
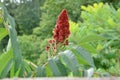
52,8
29,18
64,64
99,34
26,14
30,47
106,25
80,37
107,20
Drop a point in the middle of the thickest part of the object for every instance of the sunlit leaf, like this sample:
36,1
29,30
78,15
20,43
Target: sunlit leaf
3,33
91,38
7,69
4,59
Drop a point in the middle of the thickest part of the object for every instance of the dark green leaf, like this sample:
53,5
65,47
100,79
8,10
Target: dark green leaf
62,68
54,68
17,53
41,72
13,37
83,56
70,61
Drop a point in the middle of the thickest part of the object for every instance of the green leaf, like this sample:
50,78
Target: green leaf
70,61
54,68
28,67
13,37
91,38
12,71
4,59
89,48
61,67
41,72
28,71
4,10
11,21
16,51
83,56
3,33
18,72
48,71
7,69
7,17
31,64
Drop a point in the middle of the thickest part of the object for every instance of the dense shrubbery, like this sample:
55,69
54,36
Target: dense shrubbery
29,46
103,20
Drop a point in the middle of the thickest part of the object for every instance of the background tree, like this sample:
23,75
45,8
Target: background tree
26,14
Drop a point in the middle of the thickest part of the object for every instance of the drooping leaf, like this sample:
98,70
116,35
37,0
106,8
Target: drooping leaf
70,61
17,53
54,68
83,56
13,37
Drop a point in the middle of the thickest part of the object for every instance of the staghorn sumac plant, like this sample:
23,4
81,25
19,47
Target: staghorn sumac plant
62,62
59,63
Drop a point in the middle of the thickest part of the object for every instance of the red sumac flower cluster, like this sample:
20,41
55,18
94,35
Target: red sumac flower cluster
61,31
